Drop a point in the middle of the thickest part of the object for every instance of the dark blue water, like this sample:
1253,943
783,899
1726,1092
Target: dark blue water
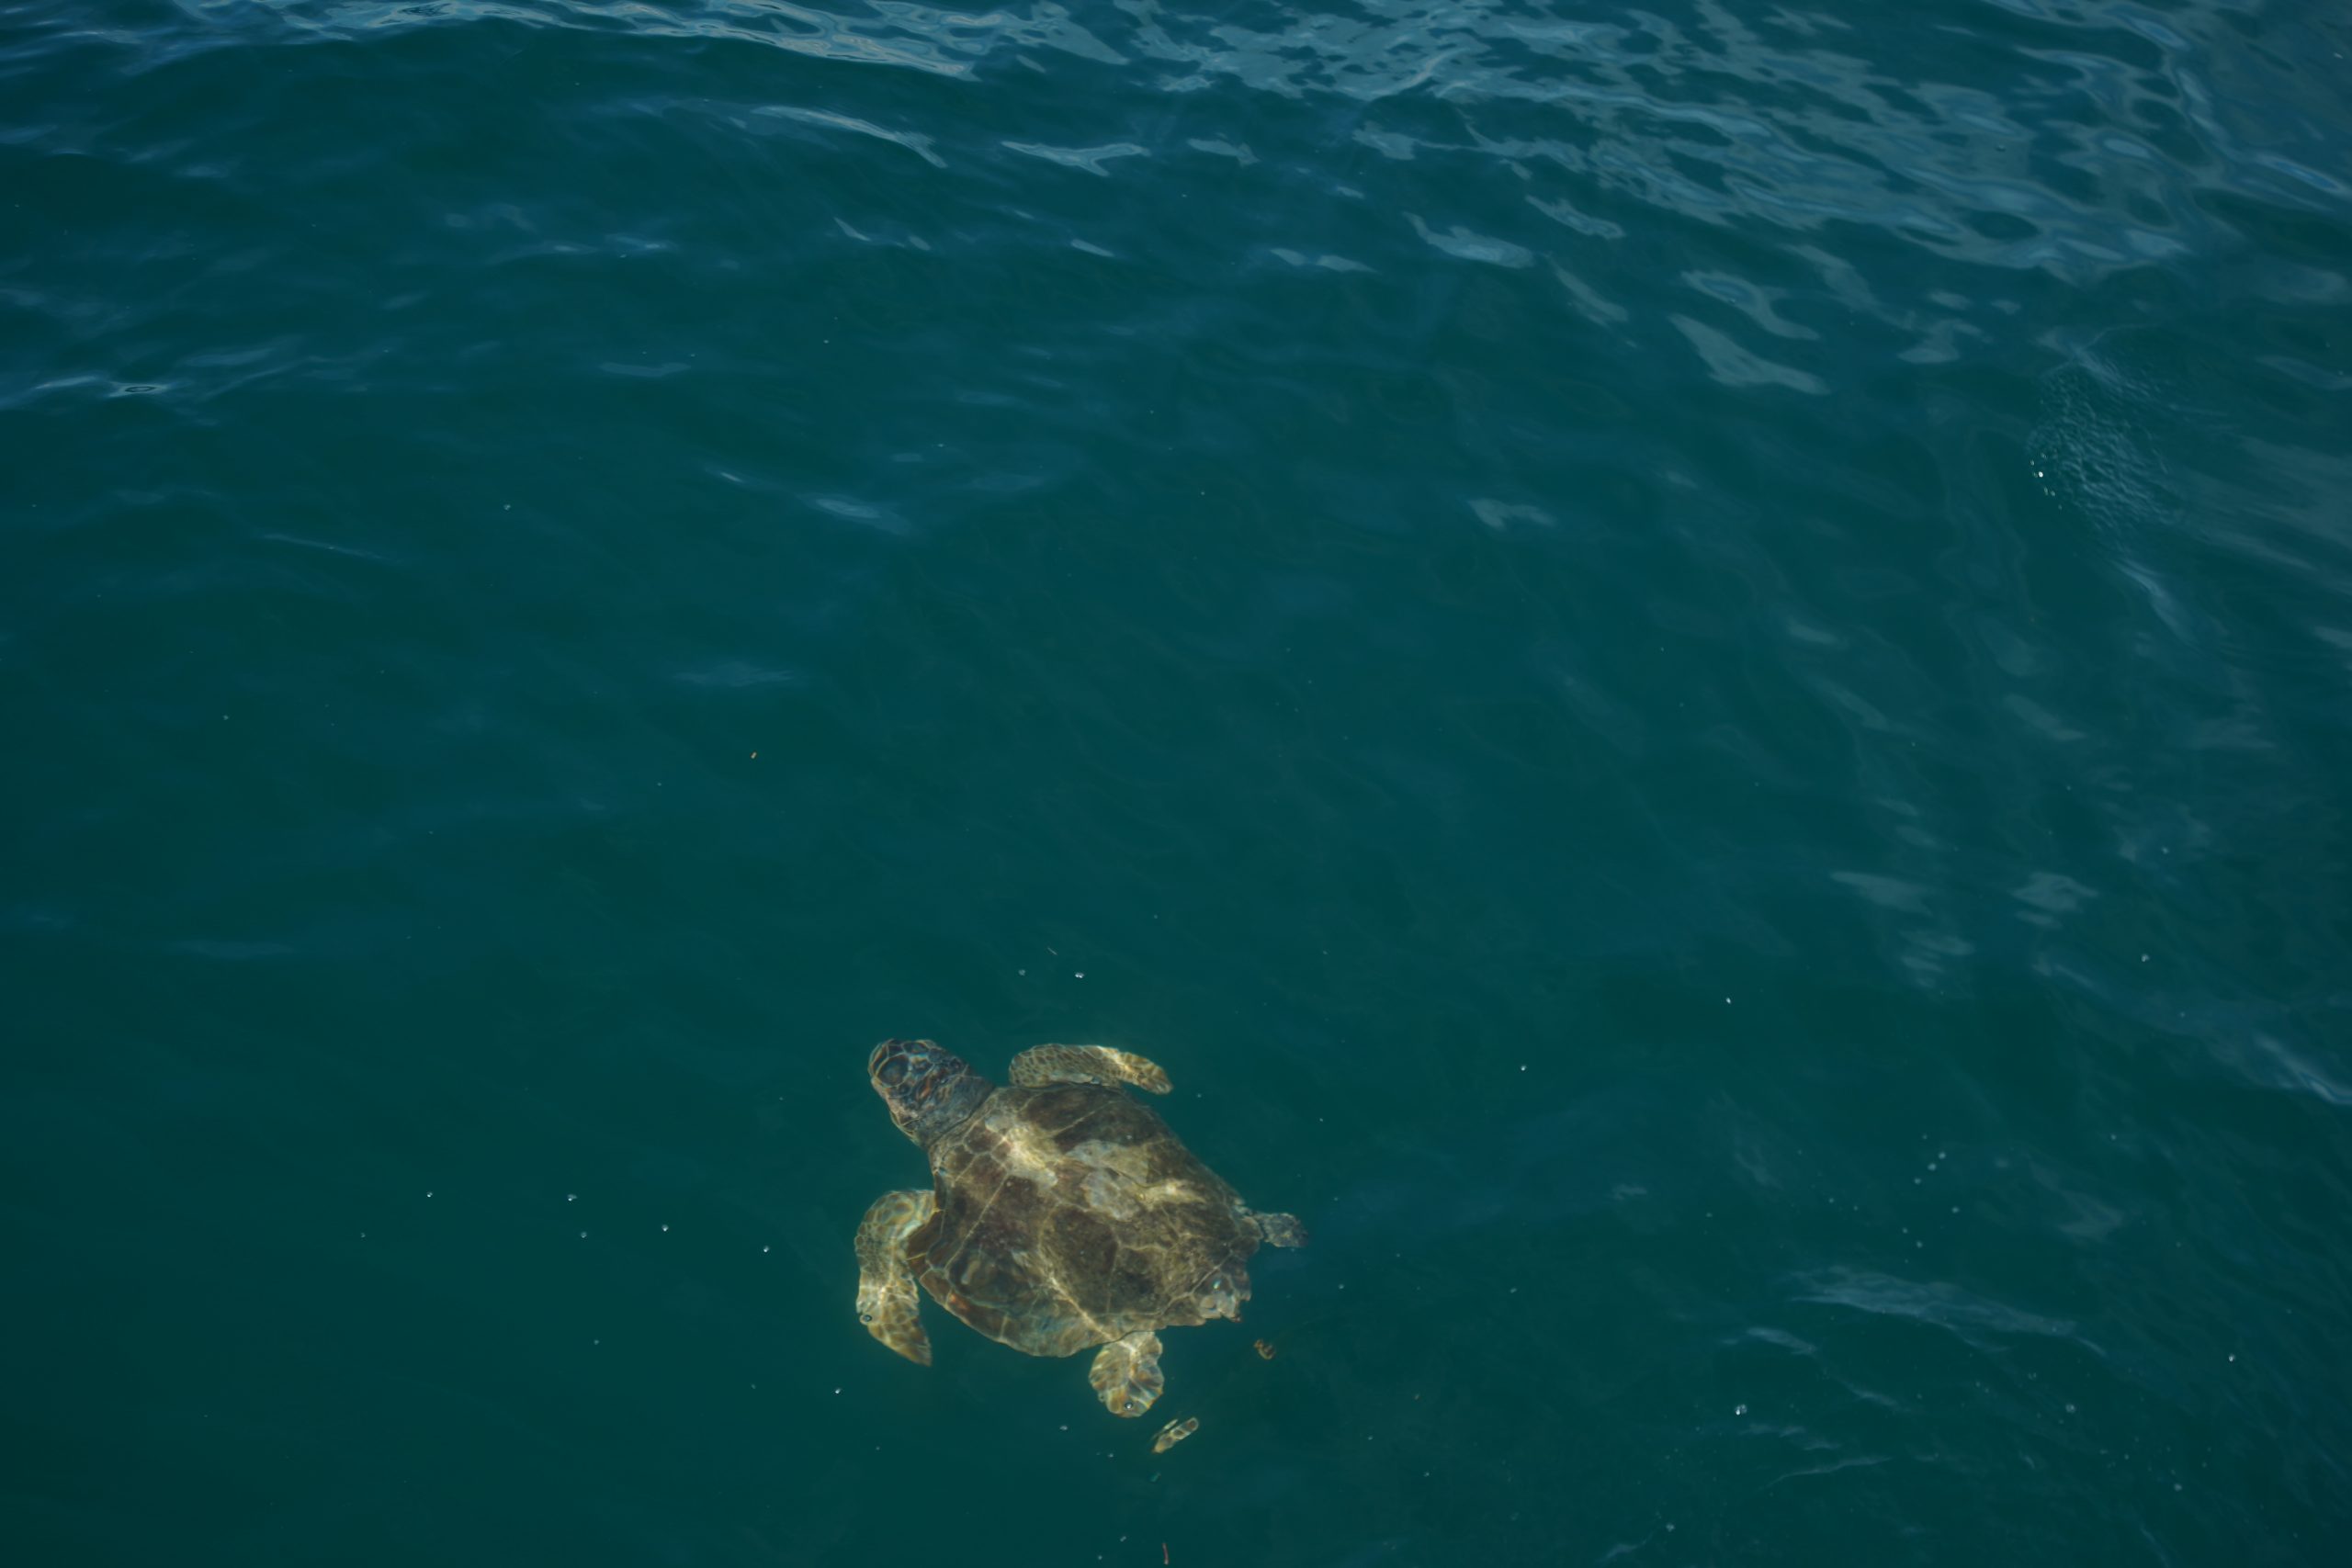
1688,667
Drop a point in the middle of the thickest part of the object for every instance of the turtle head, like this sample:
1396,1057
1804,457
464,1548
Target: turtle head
928,1089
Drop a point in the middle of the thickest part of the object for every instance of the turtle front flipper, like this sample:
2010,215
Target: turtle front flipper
886,1298
1279,1230
1042,1065
1126,1373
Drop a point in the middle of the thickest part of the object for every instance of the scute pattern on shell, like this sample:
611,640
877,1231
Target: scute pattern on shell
1068,1216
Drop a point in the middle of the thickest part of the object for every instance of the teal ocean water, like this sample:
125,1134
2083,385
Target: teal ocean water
1690,666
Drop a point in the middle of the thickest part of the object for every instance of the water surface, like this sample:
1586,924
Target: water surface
1687,665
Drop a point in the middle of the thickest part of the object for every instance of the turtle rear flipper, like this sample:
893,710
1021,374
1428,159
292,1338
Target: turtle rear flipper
1279,1230
1042,1065
888,1302
1126,1373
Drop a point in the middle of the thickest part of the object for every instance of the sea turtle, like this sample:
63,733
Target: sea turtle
1063,1215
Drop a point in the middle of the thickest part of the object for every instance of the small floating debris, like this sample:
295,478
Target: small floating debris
1174,1433
1266,1351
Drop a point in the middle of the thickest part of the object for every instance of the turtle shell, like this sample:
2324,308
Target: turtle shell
1068,1216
